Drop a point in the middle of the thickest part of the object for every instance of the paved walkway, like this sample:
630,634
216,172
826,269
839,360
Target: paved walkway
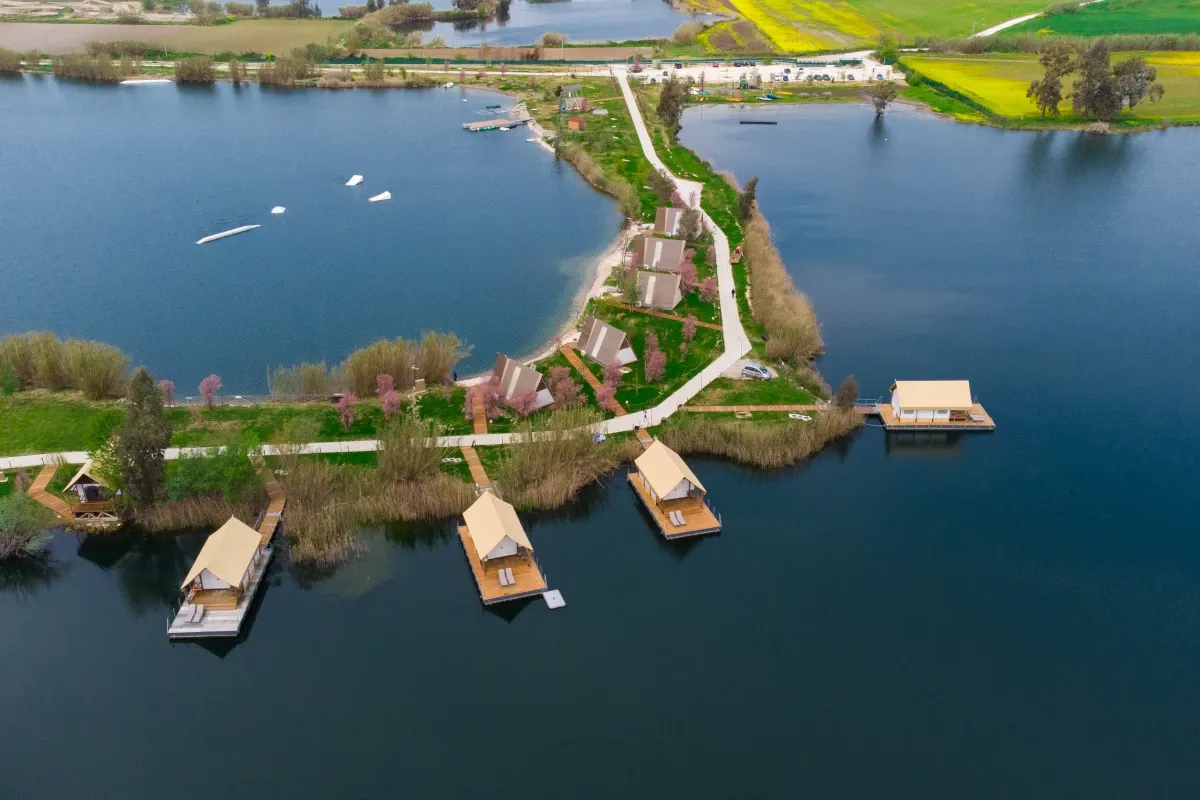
38,492
590,377
654,312
478,474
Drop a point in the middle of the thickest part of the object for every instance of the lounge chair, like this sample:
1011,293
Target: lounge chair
679,516
503,577
511,579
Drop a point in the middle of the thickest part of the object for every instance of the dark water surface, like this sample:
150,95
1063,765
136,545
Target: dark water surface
1005,615
106,190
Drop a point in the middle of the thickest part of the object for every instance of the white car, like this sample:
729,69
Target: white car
756,371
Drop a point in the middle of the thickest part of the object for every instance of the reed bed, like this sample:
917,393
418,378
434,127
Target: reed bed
785,313
408,450
207,511
44,361
766,445
433,358
308,380
195,69
593,173
10,60
86,68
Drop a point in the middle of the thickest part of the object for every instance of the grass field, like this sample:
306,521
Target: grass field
1120,16
998,82
255,35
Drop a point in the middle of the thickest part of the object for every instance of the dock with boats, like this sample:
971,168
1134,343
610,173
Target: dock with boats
496,124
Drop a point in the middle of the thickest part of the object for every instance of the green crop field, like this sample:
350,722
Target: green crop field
943,17
1120,16
998,82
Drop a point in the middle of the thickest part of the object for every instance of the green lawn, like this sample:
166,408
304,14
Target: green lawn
943,17
1119,16
44,422
731,392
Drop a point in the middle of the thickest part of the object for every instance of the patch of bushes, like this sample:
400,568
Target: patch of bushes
79,66
24,527
236,9
309,381
44,361
228,473
118,48
195,69
10,60
284,71
433,358
686,33
785,314
766,445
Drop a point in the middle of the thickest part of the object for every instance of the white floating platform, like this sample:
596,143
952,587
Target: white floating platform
355,180
223,234
278,210
380,196
220,623
141,81
554,598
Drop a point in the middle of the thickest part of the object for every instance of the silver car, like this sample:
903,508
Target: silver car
756,371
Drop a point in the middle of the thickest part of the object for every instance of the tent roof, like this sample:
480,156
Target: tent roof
227,553
664,288
600,341
489,520
85,472
515,378
932,395
664,469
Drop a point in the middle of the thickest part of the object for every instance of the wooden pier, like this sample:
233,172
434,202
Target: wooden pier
494,124
977,419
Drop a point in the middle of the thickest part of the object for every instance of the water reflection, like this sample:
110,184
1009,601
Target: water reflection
923,444
25,578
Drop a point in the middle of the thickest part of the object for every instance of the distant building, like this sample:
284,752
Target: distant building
516,379
667,220
575,124
570,99
931,401
653,252
605,344
658,290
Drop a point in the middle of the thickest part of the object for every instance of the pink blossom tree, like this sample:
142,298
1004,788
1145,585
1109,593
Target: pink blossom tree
566,390
606,397
491,393
708,289
676,199
390,400
683,349
168,391
384,384
687,277
689,328
656,364
524,402
345,408
651,342
612,374
209,387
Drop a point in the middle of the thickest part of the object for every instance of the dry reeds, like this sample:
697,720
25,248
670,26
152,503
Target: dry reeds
207,511
785,313
408,450
342,79
284,71
195,69
98,370
308,380
433,359
86,68
762,445
10,60
44,361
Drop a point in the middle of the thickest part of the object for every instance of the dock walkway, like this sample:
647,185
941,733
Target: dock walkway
478,414
494,124
478,473
38,492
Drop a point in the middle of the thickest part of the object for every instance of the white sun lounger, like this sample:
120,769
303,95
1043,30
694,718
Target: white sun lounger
503,578
511,579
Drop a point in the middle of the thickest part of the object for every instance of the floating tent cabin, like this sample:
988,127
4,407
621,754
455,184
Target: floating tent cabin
658,290
672,493
499,552
653,252
225,566
932,401
96,505
516,379
667,220
605,344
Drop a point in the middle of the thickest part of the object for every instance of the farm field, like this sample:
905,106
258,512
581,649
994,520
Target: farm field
258,36
999,83
943,17
1120,16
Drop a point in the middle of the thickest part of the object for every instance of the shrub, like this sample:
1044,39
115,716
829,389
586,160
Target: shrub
284,71
98,370
785,314
130,18
846,394
686,33
194,69
552,39
209,387
352,12
236,9
88,68
118,48
10,60
375,72
237,71
24,527
228,473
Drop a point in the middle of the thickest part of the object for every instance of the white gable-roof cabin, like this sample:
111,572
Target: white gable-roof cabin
667,220
499,552
605,344
658,290
516,379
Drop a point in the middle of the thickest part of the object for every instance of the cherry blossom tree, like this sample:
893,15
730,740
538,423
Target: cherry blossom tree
209,387
168,391
524,402
566,390
708,289
345,408
612,374
656,364
390,400
689,328
606,397
490,392
687,277
384,384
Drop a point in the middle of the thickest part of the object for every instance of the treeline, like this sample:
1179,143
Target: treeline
1027,43
11,60
43,361
784,312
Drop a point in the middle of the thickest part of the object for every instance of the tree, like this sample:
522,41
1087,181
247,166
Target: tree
390,401
708,289
564,388
747,198
345,409
887,52
24,527
689,328
606,397
168,391
1046,93
209,387
671,102
262,6
687,277
1096,93
655,366
237,72
370,6
846,394
612,374
691,225
1136,81
883,93
490,392
660,184
384,384
144,434
524,402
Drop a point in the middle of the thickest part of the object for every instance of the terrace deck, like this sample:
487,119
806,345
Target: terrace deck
894,423
698,517
221,620
528,577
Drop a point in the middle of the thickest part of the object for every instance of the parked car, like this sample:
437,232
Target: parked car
716,64
756,372
678,65
665,73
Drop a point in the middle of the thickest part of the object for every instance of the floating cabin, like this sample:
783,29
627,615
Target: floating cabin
96,504
658,290
934,405
499,552
221,583
516,380
667,220
672,493
605,344
651,252
571,99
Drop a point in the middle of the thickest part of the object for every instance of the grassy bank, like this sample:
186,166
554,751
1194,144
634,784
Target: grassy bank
765,441
1117,16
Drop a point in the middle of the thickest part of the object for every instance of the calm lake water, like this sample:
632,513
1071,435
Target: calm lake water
1005,615
106,191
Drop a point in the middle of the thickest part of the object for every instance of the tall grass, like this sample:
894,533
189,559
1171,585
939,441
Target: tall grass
284,71
118,48
207,511
44,361
10,60
408,450
195,69
98,370
762,445
785,313
433,358
593,173
305,381
546,468
86,68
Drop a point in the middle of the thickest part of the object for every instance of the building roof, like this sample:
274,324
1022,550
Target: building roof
600,341
227,553
663,469
85,472
670,252
489,520
515,378
665,216
657,288
932,395
571,87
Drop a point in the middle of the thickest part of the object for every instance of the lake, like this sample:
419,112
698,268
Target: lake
999,615
107,190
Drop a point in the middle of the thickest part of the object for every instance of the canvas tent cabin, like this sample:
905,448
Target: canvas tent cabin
225,566
667,220
933,404
653,252
672,493
95,496
499,552
658,290
570,98
605,344
516,380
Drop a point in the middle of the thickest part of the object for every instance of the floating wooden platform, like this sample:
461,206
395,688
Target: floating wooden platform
698,517
494,124
528,577
977,420
219,621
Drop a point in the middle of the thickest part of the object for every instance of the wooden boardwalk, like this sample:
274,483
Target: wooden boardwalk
478,413
582,369
478,473
654,312
644,438
38,492
274,514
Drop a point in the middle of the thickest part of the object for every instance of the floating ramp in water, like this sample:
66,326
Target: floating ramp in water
380,196
223,234
278,210
140,81
355,180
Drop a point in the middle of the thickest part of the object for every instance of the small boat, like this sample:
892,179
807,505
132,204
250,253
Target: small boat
223,234
448,85
278,210
380,196
355,180
492,107
763,97
757,122
503,128
139,81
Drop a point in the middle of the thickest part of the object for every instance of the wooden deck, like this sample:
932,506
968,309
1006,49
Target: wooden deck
478,413
587,375
528,577
654,312
219,621
696,513
893,423
644,438
478,474
38,492
274,514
